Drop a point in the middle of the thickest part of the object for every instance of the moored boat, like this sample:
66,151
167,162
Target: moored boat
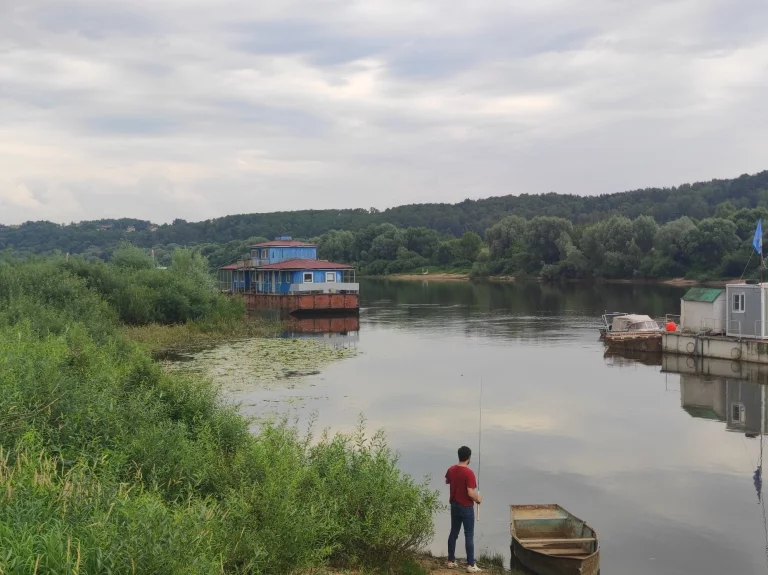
628,323
549,540
607,318
634,332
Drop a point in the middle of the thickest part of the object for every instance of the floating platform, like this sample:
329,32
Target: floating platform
715,347
297,303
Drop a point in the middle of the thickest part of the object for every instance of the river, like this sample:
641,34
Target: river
657,462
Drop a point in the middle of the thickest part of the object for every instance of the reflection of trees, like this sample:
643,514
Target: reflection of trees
530,308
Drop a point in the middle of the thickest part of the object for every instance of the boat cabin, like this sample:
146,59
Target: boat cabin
287,266
282,249
746,310
633,323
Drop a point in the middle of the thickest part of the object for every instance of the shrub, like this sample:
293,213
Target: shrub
107,463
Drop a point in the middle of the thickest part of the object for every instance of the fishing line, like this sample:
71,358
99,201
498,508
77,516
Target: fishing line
479,446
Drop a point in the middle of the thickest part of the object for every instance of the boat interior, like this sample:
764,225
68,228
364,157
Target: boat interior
553,531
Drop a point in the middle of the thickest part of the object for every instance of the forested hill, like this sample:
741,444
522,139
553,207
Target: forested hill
697,201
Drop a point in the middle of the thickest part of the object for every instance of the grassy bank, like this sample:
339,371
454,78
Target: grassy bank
110,464
426,564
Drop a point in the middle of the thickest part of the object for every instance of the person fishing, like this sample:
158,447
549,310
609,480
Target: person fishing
463,497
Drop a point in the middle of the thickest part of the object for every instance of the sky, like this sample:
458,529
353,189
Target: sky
195,109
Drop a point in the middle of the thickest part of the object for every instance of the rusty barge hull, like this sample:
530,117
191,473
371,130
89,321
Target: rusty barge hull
297,303
645,342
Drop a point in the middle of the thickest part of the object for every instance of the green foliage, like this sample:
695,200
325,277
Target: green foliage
142,295
643,233
542,235
109,464
222,239
507,237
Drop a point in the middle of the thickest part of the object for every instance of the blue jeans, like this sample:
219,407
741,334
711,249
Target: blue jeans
462,515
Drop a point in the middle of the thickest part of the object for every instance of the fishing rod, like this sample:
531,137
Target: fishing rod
479,446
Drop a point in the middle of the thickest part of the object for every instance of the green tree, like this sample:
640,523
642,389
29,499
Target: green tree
129,256
506,236
385,245
644,230
542,236
337,245
674,240
714,239
468,247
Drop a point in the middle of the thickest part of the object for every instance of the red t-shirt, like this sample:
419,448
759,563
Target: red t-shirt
461,478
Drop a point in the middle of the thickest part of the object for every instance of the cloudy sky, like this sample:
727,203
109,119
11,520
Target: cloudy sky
201,108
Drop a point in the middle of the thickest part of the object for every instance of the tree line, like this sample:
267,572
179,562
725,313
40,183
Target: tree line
98,239
555,248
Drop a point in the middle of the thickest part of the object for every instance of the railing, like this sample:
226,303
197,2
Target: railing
326,287
734,327
712,325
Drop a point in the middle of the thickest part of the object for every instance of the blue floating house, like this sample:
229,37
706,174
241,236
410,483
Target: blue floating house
286,266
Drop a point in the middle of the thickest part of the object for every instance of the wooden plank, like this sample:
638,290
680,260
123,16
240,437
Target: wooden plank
527,542
543,547
519,514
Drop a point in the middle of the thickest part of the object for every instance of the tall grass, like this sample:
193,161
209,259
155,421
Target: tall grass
109,464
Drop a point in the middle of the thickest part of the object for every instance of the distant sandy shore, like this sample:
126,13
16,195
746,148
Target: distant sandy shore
676,282
428,277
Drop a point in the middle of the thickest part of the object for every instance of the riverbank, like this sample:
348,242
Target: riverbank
426,564
677,282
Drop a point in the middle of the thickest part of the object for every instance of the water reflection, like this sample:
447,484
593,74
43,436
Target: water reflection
729,392
726,391
629,358
618,440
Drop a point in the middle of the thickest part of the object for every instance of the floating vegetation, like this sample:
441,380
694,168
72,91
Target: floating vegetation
261,362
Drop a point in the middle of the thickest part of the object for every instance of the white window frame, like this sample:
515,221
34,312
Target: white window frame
311,278
738,302
330,277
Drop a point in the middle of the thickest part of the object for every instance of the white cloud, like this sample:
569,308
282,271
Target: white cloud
197,108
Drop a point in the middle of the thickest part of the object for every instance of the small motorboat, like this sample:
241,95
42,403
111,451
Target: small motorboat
607,318
618,323
634,332
549,540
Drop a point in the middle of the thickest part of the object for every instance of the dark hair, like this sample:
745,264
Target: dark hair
464,453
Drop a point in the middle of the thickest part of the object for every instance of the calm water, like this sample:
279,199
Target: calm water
657,461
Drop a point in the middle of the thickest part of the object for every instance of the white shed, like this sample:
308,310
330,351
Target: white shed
703,309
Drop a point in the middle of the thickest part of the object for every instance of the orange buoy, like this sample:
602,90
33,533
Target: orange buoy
671,326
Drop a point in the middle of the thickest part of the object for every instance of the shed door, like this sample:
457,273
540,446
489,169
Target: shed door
737,312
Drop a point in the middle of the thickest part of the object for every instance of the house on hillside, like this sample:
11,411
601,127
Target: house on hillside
286,266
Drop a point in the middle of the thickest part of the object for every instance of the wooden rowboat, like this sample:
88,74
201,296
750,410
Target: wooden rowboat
549,540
